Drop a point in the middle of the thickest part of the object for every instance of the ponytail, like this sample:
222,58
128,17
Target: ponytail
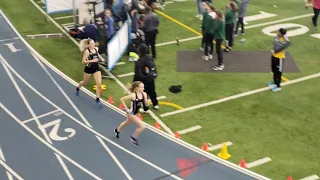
132,87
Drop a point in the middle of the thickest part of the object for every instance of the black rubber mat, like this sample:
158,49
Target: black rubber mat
234,61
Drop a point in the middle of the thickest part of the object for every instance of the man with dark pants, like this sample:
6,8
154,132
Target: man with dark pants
316,10
150,29
141,73
280,43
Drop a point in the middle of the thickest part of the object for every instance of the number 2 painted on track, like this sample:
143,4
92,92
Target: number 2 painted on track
54,131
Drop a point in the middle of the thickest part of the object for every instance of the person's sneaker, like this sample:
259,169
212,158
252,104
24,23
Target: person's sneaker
156,107
206,58
275,89
77,91
143,111
210,56
271,84
116,133
201,49
98,101
218,67
134,141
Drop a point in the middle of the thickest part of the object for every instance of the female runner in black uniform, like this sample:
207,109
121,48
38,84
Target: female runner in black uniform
91,58
138,98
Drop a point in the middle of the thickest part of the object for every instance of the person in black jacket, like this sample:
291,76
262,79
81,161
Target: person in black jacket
141,75
150,29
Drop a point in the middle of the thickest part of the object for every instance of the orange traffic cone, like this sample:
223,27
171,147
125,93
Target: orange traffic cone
289,178
140,116
157,125
177,135
121,106
243,163
110,100
205,147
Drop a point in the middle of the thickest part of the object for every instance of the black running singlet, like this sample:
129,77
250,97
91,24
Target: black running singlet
136,104
92,67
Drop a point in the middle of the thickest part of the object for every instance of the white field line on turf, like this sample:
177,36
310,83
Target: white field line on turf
46,143
191,129
246,27
116,109
120,63
238,96
43,115
83,118
126,75
158,98
63,17
83,125
33,114
312,177
180,40
219,146
4,160
258,162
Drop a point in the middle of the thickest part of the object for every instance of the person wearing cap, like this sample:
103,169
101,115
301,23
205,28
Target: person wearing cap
316,10
280,43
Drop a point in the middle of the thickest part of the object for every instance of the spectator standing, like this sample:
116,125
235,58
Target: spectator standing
141,73
280,43
109,29
205,16
150,29
219,33
242,13
316,11
230,17
208,31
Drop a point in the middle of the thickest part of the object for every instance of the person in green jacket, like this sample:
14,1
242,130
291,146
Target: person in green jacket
205,15
230,18
208,33
219,34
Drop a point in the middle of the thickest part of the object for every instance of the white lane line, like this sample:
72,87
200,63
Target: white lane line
42,129
64,167
41,116
25,100
10,170
4,159
114,158
191,129
258,162
86,127
48,144
2,40
82,117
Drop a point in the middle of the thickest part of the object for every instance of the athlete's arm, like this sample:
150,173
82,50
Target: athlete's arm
123,101
146,102
103,60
